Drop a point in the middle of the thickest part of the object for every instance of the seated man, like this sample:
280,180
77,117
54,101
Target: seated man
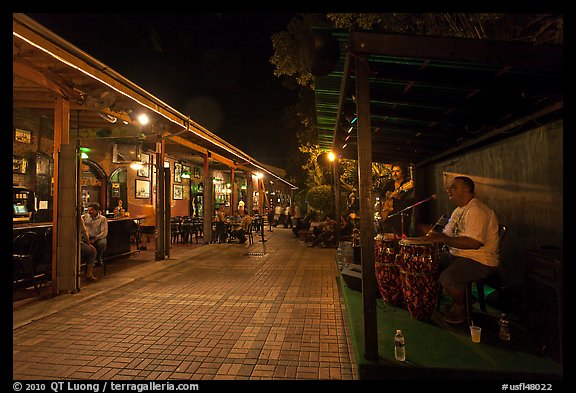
88,252
345,225
325,233
97,228
220,225
472,239
240,231
304,223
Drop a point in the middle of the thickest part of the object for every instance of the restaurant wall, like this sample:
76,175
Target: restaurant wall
41,140
100,153
521,178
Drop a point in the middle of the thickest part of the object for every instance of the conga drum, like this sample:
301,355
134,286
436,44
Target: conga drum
418,262
387,270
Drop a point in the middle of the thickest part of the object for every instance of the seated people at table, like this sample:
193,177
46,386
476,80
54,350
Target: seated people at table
240,231
88,252
119,209
304,223
220,225
472,238
325,232
97,227
236,217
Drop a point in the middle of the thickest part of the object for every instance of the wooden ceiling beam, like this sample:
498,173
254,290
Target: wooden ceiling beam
26,72
520,55
184,142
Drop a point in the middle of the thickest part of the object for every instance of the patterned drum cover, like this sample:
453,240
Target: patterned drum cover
387,270
418,261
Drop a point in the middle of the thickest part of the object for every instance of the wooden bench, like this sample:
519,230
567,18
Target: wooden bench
307,235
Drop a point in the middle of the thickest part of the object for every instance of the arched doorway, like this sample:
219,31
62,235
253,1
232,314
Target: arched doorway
93,184
118,188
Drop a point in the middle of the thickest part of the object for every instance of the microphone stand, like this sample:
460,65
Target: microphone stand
401,212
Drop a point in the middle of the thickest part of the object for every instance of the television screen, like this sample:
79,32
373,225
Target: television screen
123,153
20,209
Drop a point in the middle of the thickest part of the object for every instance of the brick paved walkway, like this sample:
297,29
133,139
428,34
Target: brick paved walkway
220,311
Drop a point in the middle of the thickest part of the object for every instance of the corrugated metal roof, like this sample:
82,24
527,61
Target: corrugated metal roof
432,97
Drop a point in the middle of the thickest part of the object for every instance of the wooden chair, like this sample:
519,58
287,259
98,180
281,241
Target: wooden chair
197,228
25,257
250,233
186,228
175,230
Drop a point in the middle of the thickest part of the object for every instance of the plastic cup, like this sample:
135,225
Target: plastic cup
475,332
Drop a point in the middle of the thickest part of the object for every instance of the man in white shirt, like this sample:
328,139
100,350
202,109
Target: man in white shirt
472,238
97,227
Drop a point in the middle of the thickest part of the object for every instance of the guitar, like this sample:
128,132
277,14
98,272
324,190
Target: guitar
388,204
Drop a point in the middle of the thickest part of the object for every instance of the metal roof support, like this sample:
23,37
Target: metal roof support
341,99
366,209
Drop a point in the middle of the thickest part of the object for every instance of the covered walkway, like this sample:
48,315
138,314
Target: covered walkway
219,311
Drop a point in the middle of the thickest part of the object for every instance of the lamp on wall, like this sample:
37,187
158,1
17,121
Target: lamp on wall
136,165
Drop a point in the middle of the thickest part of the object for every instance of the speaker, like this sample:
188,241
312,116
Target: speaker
543,299
352,275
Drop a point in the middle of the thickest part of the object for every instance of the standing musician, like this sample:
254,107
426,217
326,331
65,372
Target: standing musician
397,194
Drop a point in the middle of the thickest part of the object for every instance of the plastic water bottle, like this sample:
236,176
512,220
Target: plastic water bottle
399,346
504,332
340,256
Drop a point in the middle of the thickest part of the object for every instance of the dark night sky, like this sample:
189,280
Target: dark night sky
213,67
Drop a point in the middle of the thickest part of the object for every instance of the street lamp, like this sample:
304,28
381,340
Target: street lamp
336,190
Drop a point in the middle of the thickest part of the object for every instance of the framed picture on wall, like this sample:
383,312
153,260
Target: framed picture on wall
177,172
145,171
186,172
19,164
142,189
178,192
23,136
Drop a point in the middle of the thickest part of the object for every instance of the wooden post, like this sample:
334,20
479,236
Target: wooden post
232,189
61,137
160,201
207,196
249,193
366,209
335,169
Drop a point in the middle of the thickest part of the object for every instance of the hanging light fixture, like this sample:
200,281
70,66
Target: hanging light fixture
136,165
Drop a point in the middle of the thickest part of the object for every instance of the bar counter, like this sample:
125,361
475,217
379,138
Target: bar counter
119,232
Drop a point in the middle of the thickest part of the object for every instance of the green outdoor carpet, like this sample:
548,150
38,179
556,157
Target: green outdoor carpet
437,350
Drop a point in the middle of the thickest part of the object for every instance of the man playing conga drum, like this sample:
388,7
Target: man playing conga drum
472,238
